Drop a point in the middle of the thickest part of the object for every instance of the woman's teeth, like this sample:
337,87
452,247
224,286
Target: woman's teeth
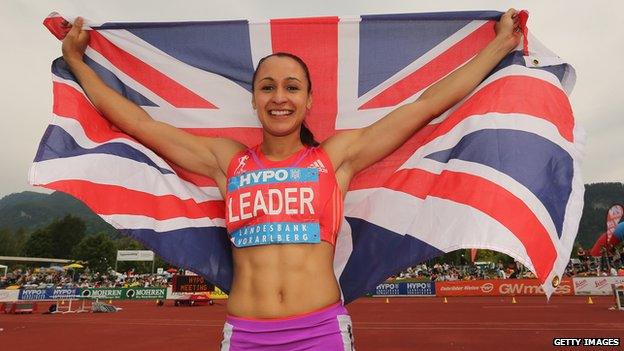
280,112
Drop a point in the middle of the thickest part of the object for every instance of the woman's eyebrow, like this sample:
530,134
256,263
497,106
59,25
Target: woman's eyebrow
288,78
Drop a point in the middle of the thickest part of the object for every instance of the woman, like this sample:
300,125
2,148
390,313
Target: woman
288,190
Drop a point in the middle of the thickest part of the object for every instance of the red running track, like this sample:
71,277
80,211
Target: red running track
464,323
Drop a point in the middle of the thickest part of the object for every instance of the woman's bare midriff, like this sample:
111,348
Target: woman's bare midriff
275,281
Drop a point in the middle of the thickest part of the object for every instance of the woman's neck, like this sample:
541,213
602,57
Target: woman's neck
277,148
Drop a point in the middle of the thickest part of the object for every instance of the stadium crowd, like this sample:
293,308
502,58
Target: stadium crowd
56,277
610,263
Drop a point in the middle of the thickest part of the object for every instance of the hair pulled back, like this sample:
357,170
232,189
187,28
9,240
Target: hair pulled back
306,136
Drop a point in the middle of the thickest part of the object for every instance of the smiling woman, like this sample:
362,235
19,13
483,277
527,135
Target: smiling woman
284,197
296,82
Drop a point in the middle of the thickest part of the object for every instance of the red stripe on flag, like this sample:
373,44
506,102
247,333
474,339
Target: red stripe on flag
501,205
377,173
527,98
315,40
106,199
55,26
170,90
435,69
524,95
70,103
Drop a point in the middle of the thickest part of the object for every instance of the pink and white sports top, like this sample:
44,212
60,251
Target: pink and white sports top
293,201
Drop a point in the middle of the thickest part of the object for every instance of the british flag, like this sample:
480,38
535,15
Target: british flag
500,170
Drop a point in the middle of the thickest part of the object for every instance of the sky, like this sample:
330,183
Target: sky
588,35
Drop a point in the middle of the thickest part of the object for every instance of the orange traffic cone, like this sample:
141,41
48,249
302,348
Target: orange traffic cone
445,300
387,300
513,299
590,301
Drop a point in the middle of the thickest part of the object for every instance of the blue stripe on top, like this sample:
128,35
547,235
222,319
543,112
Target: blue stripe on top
57,143
540,165
60,68
220,47
273,176
390,43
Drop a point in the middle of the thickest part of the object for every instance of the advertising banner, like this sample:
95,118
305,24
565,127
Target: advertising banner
9,295
135,255
190,283
145,293
499,287
102,293
596,285
405,289
124,293
48,294
217,294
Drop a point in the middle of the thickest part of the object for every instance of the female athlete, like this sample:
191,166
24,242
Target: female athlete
284,197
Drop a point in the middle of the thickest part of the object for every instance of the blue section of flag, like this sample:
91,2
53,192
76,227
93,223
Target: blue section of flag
377,254
207,251
218,47
60,144
540,165
60,68
388,44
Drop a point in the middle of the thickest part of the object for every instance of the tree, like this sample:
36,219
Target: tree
6,242
66,233
39,244
11,244
98,250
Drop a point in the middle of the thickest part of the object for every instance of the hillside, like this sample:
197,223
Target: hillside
31,210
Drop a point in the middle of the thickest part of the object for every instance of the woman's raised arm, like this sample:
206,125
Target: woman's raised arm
202,155
355,150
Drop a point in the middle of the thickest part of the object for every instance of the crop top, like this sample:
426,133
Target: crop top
293,201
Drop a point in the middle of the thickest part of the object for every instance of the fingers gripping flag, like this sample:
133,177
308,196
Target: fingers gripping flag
499,170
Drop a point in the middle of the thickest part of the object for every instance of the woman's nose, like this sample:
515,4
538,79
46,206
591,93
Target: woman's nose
279,96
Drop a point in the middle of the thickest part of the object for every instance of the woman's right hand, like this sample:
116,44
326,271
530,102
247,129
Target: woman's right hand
75,41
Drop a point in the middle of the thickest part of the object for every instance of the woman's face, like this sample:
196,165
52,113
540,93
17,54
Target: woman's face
281,97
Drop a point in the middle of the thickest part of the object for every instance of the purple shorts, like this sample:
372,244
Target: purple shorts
326,329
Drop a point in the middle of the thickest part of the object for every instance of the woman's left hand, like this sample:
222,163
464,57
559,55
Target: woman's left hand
508,29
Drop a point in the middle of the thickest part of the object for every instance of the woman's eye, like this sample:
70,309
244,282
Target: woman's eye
293,88
267,88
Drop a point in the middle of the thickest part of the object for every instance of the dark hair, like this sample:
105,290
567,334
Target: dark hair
306,136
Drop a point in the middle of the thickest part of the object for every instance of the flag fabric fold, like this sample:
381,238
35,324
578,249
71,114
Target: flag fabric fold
500,170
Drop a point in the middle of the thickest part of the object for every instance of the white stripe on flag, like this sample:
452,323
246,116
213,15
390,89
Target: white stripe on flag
74,128
494,120
227,97
113,170
143,222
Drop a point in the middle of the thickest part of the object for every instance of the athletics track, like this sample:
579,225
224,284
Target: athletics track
464,323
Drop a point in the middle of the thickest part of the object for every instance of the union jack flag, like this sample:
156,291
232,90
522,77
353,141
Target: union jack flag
500,170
